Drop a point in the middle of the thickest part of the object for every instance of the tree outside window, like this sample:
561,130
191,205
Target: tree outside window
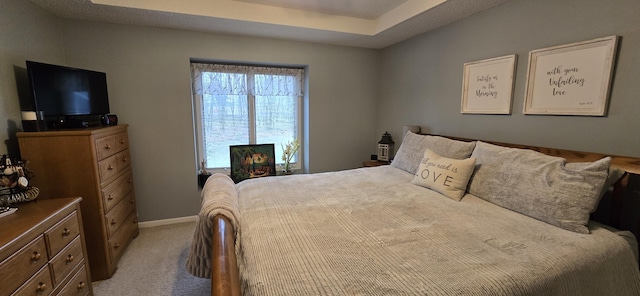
240,104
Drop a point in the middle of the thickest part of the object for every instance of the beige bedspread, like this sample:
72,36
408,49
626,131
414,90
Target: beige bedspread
219,197
371,232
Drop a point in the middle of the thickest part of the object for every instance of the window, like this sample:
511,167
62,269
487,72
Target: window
240,104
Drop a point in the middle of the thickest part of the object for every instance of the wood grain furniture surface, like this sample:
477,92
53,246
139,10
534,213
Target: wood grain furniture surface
225,272
94,164
374,163
629,164
42,250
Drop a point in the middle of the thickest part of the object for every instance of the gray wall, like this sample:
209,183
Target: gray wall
26,33
418,82
422,77
149,89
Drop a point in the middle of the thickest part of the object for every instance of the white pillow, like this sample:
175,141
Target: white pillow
445,175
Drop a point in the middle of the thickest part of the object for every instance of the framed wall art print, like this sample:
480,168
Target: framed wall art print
487,86
571,79
252,161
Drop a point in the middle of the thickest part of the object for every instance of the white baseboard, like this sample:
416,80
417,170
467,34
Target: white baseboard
167,221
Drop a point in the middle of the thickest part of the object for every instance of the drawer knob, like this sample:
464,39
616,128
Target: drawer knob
66,232
70,258
41,287
135,221
122,141
35,256
110,167
124,159
107,147
113,221
81,285
110,197
116,245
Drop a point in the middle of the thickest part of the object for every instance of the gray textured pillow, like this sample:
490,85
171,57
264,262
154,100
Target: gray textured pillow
413,146
537,185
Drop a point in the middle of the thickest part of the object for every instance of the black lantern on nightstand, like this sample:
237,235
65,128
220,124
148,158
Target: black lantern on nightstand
385,147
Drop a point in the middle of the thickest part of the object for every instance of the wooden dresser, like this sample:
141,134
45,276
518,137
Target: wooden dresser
42,250
94,164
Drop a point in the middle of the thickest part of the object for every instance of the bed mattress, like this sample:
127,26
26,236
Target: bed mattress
370,231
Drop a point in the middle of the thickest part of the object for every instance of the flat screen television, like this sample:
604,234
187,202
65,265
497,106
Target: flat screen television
66,94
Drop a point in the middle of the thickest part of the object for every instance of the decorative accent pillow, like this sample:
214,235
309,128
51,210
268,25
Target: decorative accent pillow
445,175
544,187
413,146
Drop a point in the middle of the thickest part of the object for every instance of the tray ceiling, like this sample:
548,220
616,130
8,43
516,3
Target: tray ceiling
359,23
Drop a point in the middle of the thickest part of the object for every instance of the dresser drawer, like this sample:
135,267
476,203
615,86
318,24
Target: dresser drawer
123,160
78,285
119,213
65,261
117,190
107,168
39,284
20,266
111,145
119,241
106,147
111,166
122,141
62,233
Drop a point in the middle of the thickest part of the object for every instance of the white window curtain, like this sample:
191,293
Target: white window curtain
240,104
230,80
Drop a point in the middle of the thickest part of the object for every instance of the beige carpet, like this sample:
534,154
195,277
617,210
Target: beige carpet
154,264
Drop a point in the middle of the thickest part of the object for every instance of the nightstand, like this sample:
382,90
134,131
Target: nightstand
374,163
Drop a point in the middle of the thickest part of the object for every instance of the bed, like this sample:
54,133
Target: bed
519,225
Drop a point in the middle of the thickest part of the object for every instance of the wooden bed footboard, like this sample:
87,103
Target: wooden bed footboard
225,277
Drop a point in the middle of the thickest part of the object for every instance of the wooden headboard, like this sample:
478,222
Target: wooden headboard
618,208
628,164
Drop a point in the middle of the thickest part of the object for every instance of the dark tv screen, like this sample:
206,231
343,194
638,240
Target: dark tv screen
65,91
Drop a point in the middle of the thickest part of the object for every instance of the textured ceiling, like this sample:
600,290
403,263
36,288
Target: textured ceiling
366,9
359,23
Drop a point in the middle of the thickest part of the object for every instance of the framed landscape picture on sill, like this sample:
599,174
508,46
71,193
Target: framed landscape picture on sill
571,79
252,161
